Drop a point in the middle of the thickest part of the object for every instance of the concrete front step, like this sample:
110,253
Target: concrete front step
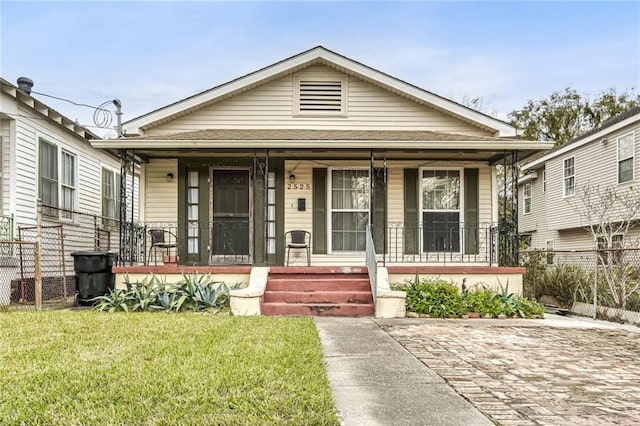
323,283
332,297
323,309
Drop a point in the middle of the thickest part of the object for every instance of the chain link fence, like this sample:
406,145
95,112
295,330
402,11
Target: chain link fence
601,283
37,268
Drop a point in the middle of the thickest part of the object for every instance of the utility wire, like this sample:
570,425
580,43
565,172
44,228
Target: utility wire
100,108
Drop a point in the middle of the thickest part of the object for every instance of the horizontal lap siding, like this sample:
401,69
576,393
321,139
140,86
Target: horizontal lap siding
595,164
161,197
270,106
536,220
88,168
5,167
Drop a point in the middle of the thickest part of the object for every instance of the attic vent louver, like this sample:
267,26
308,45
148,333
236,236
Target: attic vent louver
321,96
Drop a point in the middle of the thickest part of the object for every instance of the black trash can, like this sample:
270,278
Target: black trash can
93,274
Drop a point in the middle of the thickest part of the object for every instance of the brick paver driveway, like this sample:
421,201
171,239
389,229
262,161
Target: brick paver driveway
520,372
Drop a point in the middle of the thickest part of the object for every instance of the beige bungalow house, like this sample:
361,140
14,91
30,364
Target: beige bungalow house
323,144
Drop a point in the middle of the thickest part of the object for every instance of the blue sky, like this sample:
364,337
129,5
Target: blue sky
149,54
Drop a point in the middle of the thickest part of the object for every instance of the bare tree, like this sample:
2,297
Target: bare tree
611,214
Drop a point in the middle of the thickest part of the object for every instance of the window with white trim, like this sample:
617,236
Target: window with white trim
626,150
527,198
569,186
609,251
441,210
68,184
349,209
320,96
48,177
271,213
110,197
193,207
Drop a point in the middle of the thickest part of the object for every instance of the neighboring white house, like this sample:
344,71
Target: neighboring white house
550,191
45,155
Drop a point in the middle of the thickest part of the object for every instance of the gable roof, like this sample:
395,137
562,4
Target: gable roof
302,60
44,110
615,123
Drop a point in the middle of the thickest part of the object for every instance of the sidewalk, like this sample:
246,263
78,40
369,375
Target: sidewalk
375,381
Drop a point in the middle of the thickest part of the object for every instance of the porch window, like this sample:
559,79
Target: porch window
625,158
441,210
68,184
271,213
48,176
569,177
193,195
110,197
349,209
527,198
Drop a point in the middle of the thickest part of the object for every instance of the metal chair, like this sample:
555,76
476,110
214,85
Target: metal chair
298,239
161,239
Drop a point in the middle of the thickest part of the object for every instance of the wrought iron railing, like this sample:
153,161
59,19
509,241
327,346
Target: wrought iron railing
371,261
134,243
6,234
441,243
225,242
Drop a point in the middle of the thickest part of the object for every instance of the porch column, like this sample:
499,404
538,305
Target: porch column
266,209
123,208
372,188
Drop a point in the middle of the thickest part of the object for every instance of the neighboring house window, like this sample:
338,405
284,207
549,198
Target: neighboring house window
527,198
625,158
193,217
549,245
110,196
544,181
320,96
441,210
68,184
49,177
569,177
611,253
349,209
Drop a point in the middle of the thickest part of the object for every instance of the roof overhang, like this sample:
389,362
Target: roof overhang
315,55
494,152
43,110
597,136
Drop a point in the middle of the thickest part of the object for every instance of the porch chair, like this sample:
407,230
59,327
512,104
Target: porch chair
161,239
298,239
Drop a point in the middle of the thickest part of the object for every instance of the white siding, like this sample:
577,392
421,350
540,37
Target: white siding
595,164
29,127
271,106
161,197
5,166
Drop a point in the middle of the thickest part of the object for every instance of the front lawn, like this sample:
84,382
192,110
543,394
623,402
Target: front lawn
94,368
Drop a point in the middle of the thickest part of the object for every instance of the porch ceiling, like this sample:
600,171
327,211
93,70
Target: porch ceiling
307,141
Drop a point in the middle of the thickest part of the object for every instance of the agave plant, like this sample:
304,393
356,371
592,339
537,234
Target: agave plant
213,295
115,300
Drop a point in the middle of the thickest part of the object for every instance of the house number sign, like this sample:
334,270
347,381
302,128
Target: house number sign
299,186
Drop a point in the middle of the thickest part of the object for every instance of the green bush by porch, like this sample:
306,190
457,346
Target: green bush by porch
439,298
92,368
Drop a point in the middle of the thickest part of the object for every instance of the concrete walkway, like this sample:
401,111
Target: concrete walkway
376,381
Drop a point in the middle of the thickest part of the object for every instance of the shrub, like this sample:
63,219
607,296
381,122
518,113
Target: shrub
442,299
436,297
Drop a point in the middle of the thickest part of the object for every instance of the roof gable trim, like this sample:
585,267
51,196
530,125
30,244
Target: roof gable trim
316,54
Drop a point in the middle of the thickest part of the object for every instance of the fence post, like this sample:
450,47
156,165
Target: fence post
37,258
595,289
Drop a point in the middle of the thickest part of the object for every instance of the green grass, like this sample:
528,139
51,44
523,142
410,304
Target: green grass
94,368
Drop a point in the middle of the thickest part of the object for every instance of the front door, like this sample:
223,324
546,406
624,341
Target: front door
231,216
